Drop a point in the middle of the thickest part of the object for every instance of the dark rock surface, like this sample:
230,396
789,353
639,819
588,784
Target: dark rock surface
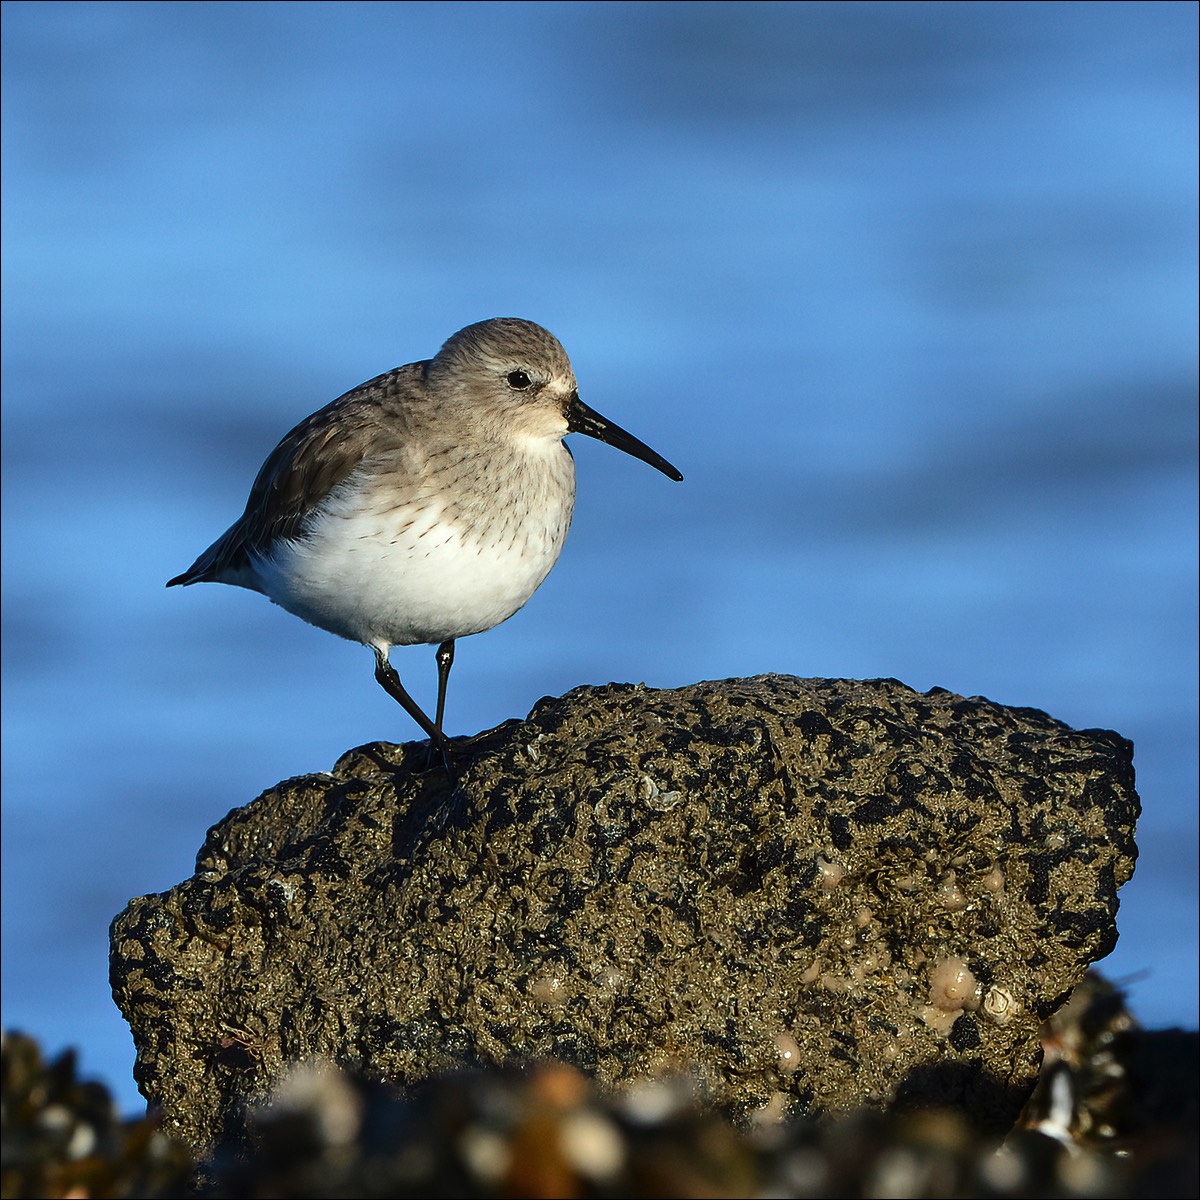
62,1135
545,1131
811,894
1114,1115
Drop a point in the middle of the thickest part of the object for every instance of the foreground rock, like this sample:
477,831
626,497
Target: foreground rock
811,895
63,1136
1114,1115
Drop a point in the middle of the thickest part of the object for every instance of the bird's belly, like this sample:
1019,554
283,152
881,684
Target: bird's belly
404,577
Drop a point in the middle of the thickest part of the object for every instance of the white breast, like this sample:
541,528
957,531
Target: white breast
381,574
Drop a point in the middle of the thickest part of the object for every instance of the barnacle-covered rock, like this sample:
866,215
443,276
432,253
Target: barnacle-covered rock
810,895
547,1131
62,1136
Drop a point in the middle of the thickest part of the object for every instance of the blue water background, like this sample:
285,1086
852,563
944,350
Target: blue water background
906,290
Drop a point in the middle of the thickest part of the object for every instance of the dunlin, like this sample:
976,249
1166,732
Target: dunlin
425,505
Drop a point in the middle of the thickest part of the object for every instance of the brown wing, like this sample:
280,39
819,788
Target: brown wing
305,467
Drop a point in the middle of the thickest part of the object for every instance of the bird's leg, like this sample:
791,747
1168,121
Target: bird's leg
385,675
445,660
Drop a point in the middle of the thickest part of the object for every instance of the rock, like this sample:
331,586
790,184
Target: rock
811,894
1107,1084
62,1135
546,1130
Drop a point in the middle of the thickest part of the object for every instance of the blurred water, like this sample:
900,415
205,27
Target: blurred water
906,290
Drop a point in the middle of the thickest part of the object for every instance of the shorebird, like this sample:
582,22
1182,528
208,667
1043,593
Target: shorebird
425,505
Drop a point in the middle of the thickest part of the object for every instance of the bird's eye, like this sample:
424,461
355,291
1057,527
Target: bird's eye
518,380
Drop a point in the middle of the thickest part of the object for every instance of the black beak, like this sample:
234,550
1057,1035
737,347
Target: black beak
581,419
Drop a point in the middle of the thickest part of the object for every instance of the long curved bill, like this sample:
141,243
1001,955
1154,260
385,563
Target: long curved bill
581,419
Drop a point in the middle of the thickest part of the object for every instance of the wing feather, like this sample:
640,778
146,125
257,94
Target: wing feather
305,467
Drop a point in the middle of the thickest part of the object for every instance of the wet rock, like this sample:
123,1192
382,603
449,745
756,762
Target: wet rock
549,1132
810,895
62,1135
1109,1086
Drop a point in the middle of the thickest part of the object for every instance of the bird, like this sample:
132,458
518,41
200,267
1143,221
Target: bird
422,506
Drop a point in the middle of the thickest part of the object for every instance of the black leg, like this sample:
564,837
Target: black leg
385,675
445,660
